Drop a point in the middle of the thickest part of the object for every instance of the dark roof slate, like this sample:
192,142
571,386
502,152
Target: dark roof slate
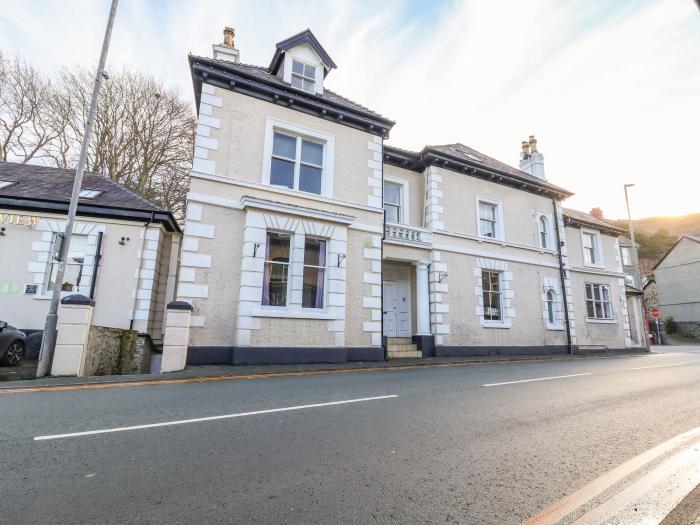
44,188
56,184
460,156
471,155
587,218
264,74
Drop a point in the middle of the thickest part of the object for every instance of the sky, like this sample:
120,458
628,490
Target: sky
611,88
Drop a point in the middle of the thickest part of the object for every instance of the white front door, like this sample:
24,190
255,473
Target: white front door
397,309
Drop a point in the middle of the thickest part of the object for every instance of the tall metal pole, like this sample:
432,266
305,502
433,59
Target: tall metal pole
48,341
629,215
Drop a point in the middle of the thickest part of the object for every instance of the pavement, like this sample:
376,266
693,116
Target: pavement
24,375
496,443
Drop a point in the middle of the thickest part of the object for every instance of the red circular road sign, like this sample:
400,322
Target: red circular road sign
655,313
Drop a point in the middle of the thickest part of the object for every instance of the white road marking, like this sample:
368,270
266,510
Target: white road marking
658,366
537,379
211,418
685,444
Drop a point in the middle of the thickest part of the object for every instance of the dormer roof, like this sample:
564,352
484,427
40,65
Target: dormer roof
304,37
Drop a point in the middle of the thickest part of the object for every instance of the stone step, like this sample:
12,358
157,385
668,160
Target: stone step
399,340
403,349
404,354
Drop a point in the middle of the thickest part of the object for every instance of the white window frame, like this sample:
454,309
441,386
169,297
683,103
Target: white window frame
324,307
45,290
500,226
500,323
265,248
87,193
600,263
271,126
557,306
404,211
303,77
626,250
550,230
611,301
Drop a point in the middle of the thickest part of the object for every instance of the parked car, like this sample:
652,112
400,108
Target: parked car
11,344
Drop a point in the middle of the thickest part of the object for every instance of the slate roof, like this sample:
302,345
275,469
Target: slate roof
586,218
471,155
264,75
36,185
462,156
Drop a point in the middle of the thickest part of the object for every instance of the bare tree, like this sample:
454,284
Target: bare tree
27,119
143,134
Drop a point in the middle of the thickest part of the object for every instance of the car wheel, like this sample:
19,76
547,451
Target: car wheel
15,354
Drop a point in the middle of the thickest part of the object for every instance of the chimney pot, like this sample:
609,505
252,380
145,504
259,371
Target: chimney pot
533,144
226,50
228,36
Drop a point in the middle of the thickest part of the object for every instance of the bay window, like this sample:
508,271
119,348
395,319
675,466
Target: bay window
276,273
314,273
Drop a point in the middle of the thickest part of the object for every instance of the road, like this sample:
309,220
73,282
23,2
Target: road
446,449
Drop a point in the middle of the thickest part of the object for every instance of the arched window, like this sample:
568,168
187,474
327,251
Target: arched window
544,231
550,306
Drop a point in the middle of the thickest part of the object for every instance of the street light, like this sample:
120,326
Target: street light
629,216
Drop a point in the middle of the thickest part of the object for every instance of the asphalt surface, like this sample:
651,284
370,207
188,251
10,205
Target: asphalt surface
446,450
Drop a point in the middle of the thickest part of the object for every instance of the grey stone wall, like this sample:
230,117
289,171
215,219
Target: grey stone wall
689,328
113,351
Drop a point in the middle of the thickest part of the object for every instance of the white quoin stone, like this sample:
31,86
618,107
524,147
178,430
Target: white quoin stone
74,321
177,337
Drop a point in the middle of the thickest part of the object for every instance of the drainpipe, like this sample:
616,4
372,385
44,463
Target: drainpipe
562,277
381,255
98,258
143,245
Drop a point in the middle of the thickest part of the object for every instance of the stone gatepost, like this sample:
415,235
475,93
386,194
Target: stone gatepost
177,336
74,320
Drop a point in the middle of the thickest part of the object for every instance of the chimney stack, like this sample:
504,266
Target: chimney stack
531,160
597,213
226,50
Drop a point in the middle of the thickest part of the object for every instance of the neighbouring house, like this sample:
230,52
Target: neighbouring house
601,265
123,253
309,239
677,277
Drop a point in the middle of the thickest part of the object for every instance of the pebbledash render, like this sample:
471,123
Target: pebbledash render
309,239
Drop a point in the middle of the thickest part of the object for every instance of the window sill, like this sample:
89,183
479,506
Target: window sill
556,327
600,321
599,266
495,324
296,314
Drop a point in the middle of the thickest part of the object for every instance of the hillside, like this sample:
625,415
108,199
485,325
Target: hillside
656,235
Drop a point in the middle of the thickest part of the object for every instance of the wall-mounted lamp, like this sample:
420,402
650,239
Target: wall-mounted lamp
2,231
124,240
255,249
442,276
341,258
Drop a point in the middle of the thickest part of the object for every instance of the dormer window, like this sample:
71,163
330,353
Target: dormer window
89,194
303,76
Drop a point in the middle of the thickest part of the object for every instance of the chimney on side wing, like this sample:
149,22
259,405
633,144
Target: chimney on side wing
531,160
597,213
226,50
